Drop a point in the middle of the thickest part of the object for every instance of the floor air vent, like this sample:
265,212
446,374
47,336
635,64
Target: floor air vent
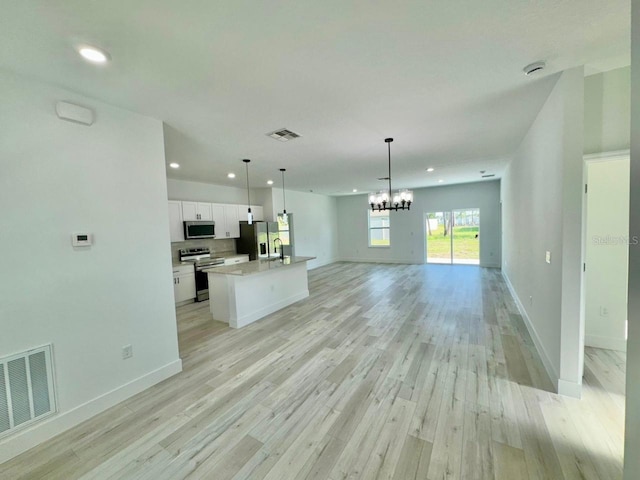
26,389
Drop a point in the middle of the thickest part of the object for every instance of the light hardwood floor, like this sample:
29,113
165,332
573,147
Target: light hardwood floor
385,371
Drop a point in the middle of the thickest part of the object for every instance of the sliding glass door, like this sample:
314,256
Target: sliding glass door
453,237
439,237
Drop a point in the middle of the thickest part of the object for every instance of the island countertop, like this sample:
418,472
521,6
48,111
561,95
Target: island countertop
257,266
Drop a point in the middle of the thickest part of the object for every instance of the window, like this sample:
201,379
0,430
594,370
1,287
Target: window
379,229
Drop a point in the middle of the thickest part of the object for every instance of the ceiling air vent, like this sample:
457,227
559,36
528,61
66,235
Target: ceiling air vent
284,135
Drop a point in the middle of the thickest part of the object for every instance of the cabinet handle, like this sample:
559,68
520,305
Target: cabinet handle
178,280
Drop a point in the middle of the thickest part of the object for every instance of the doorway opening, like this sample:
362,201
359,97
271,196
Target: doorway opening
453,237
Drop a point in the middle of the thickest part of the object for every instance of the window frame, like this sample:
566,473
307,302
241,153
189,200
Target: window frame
370,228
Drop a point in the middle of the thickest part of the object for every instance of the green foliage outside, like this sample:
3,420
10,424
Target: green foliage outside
465,243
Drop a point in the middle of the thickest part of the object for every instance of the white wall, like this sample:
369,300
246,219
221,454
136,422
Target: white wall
315,224
606,111
208,192
542,211
107,179
407,232
632,424
607,253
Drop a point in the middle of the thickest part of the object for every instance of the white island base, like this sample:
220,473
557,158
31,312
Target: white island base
241,294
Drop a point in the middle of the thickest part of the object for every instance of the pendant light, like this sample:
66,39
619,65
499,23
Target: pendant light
249,214
284,199
384,199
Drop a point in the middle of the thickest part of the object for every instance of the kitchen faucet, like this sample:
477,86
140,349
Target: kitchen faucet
276,248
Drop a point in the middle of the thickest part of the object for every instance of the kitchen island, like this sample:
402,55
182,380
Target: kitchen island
243,293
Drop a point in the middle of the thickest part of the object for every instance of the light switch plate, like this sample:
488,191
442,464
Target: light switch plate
547,257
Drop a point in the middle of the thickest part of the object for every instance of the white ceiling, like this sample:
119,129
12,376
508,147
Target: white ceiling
444,77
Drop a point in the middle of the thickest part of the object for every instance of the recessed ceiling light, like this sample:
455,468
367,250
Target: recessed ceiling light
430,169
440,181
93,54
355,190
269,182
174,165
231,175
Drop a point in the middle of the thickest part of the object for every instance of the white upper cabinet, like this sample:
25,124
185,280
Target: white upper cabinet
257,210
176,230
204,211
189,211
226,217
217,214
192,211
232,220
258,213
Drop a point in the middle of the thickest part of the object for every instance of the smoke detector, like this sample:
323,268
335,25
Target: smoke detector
284,135
535,67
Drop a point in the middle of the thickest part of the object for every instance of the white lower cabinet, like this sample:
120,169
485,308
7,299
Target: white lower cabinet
184,283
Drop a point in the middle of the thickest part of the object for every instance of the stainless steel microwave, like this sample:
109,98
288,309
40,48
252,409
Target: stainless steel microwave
200,229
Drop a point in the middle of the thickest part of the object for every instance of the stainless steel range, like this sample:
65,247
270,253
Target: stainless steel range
201,259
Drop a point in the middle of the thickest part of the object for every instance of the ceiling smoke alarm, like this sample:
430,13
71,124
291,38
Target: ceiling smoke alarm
532,68
284,135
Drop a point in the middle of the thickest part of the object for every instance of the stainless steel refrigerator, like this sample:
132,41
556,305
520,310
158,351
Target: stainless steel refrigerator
258,240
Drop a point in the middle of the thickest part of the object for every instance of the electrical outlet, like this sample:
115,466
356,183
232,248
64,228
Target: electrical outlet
547,257
127,352
604,311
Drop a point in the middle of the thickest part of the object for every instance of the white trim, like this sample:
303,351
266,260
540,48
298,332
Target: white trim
29,438
608,343
569,389
594,340
322,263
380,260
606,156
546,361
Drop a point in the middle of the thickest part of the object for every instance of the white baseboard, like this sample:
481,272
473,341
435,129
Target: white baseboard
56,424
322,264
608,343
546,361
379,260
569,389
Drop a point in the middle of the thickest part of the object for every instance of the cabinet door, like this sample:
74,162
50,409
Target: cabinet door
176,230
231,220
258,213
189,211
217,215
204,211
184,287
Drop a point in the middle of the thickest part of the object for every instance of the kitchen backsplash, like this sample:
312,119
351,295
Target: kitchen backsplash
219,247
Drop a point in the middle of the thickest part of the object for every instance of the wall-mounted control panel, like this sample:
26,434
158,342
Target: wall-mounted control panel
81,239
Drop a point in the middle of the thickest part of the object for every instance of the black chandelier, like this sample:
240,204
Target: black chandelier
384,200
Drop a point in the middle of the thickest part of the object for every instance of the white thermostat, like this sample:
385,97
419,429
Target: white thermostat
81,240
